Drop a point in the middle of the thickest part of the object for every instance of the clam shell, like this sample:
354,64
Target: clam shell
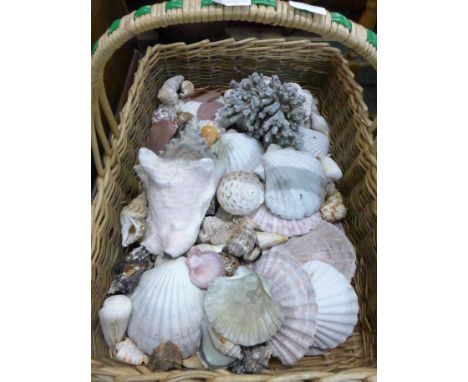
337,305
167,307
127,352
242,238
239,151
204,267
266,221
113,318
291,287
325,243
240,193
295,184
331,169
269,239
212,357
318,123
214,231
314,142
241,308
132,220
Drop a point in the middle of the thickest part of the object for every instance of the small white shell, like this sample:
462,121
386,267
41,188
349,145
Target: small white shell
241,308
240,193
268,222
318,123
113,317
337,304
187,89
333,211
128,352
132,220
331,169
269,239
314,142
168,92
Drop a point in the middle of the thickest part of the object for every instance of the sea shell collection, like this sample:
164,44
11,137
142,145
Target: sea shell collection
234,250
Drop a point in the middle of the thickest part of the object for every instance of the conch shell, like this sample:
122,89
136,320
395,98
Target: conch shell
113,317
132,220
242,238
214,231
168,92
127,352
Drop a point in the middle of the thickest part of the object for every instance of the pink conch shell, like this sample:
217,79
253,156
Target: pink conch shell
325,243
292,289
204,267
268,222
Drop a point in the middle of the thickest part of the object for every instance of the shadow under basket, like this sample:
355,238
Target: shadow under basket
317,67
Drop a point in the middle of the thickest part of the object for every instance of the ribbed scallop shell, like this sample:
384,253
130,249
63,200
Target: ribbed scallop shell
241,308
167,307
337,305
127,352
314,142
295,184
291,287
268,222
240,193
325,243
239,151
132,220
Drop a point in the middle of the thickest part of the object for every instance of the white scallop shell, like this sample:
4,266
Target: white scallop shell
337,305
318,123
268,222
240,193
167,307
241,308
179,194
314,142
127,352
291,287
113,318
331,169
239,151
325,243
295,184
132,220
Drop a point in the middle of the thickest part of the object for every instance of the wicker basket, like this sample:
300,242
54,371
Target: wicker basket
315,66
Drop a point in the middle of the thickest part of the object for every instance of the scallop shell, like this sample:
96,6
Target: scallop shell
331,169
241,308
167,307
291,287
204,267
239,151
268,222
113,318
337,305
242,238
314,142
295,184
179,194
318,123
269,239
240,193
214,231
128,352
132,220
325,243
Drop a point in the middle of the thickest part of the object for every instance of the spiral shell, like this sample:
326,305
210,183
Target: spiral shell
127,352
132,220
240,193
214,231
242,239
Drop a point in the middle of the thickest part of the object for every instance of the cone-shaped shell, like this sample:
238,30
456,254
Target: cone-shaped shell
240,193
295,184
127,352
269,239
241,308
292,288
314,142
337,305
113,318
167,307
268,222
132,220
325,243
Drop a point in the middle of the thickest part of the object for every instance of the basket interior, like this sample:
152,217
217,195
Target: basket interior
316,67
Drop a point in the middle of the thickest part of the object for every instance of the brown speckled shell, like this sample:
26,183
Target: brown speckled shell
230,264
242,239
165,357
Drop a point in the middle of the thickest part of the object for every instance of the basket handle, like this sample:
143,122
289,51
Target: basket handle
331,26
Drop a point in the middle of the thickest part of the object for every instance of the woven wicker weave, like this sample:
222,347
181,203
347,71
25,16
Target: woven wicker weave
315,66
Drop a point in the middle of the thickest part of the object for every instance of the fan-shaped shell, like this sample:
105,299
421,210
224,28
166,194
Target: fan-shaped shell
239,151
113,318
241,308
337,305
291,287
127,352
240,193
268,222
295,184
325,243
132,220
167,307
314,142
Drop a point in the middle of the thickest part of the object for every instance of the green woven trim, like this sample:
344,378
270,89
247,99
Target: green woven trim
207,3
342,20
372,38
144,10
174,4
114,26
266,3
95,46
